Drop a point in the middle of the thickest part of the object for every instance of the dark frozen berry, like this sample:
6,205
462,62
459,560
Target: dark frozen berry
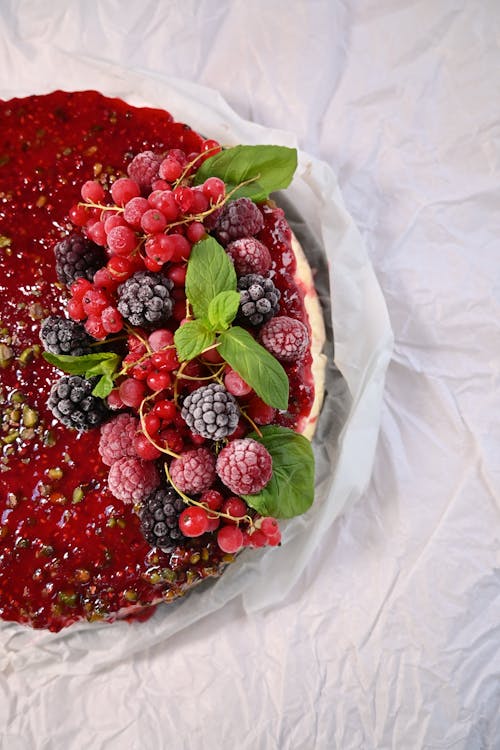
245,466
159,515
143,168
249,256
239,218
76,257
72,402
144,299
286,338
259,299
131,479
194,471
211,411
62,336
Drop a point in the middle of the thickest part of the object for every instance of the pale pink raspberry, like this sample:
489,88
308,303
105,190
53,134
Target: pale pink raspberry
285,338
245,466
144,167
131,479
117,438
194,471
249,256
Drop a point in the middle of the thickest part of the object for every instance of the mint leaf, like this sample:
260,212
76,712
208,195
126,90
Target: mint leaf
272,167
222,310
104,387
209,272
101,363
255,365
290,491
191,339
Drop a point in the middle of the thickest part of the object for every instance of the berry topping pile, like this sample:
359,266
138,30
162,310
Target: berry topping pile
176,346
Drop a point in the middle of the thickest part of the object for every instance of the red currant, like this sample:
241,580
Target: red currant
195,232
160,339
165,410
94,327
214,188
235,384
75,310
112,320
132,392
92,191
134,210
230,538
234,507
123,190
145,448
122,240
158,380
170,169
177,273
212,499
193,521
153,220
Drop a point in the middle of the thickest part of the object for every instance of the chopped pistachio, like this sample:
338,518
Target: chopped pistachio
55,473
78,494
30,416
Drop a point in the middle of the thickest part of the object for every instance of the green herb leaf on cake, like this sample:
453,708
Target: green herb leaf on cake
222,310
272,168
191,339
104,364
209,272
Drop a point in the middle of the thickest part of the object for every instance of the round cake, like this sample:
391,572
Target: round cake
160,358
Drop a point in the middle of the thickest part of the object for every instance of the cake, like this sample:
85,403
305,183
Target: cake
160,358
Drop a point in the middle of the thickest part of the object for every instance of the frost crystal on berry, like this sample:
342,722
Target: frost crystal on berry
249,256
286,338
144,299
62,336
144,168
131,479
194,471
259,299
117,438
245,466
211,411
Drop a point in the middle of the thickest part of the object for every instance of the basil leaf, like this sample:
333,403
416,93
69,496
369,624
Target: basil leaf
191,339
104,387
272,167
87,364
290,491
255,365
209,272
222,310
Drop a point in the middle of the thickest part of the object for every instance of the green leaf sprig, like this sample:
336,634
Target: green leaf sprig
214,299
103,364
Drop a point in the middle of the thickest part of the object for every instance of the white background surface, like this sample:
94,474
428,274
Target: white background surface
391,637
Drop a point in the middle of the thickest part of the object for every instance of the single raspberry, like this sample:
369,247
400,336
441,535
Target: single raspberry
210,411
239,218
159,515
245,466
76,257
117,438
259,299
144,168
62,336
72,402
144,299
131,479
249,256
194,471
286,338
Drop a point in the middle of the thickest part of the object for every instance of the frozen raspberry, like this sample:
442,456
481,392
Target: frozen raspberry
194,472
143,168
244,466
249,256
239,218
117,438
286,338
259,299
131,479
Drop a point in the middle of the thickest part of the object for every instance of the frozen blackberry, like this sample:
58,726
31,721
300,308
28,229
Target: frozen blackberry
62,336
72,402
159,515
77,257
259,299
211,411
144,299
239,218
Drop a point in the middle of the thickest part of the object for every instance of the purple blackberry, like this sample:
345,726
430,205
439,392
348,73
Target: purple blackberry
72,402
211,411
144,299
77,257
159,515
259,299
62,336
239,218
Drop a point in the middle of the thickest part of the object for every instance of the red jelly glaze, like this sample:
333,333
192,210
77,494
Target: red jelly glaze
69,549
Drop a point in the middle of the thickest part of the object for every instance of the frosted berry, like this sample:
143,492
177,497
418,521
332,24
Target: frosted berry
239,218
286,338
72,402
230,539
211,411
194,471
259,299
123,190
143,168
245,466
144,299
159,515
77,256
121,240
62,336
132,392
249,256
117,438
131,479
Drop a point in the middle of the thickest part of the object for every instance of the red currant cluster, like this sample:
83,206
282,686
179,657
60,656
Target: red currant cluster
235,528
142,228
